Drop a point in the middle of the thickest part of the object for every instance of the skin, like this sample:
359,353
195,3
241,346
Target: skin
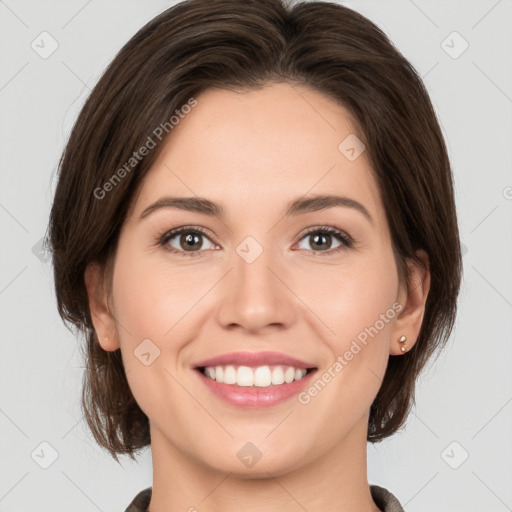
253,153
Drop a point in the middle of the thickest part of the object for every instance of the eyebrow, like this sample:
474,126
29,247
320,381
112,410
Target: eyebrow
297,207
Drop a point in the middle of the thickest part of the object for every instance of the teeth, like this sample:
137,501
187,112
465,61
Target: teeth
219,374
289,374
262,376
278,375
245,376
229,375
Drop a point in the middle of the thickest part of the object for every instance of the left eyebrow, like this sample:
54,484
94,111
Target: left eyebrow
323,202
296,207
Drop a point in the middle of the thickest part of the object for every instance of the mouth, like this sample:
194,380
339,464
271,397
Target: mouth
255,380
260,376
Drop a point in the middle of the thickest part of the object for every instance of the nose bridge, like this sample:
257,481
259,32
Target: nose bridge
255,297
252,269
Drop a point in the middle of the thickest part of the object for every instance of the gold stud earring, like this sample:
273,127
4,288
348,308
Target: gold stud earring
402,340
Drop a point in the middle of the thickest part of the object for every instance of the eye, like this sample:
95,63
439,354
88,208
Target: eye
187,241
190,240
322,238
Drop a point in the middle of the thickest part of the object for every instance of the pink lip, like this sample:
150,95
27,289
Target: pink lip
254,359
255,397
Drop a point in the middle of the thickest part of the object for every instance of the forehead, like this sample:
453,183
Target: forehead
261,148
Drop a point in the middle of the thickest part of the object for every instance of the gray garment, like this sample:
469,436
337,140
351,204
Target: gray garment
386,501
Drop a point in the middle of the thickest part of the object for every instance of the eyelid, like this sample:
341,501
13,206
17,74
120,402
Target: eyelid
345,239
168,234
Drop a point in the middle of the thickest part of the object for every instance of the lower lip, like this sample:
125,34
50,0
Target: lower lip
253,397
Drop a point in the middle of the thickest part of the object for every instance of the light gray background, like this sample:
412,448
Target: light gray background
465,397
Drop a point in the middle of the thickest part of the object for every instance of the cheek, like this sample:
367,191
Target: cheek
148,304
357,305
354,296
150,298
156,304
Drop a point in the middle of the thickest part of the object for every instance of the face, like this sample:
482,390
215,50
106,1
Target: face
257,293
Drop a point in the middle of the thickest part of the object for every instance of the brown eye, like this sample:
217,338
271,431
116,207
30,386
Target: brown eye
190,241
322,239
186,241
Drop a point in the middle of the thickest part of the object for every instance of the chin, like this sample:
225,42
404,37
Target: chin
261,470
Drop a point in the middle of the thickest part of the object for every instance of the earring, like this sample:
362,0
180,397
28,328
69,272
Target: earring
402,339
106,338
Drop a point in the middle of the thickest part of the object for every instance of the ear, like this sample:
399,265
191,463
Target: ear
412,299
102,318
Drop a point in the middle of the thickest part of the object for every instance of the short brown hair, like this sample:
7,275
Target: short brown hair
246,44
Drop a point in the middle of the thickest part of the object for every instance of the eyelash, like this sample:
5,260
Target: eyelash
347,241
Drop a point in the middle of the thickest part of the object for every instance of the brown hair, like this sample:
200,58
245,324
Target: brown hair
246,44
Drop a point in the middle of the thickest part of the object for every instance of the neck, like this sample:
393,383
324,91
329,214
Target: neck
332,482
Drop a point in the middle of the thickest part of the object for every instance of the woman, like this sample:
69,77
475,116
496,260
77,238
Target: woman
254,226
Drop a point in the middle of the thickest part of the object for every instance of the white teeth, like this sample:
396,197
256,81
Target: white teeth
277,375
230,375
262,376
289,374
245,376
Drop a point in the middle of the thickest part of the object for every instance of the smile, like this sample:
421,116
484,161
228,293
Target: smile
262,376
254,380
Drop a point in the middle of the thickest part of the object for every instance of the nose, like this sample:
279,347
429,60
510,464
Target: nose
256,296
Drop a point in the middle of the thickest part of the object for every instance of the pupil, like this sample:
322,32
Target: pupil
190,240
319,237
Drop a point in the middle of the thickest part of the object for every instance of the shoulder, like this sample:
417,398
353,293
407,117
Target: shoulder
385,500
141,501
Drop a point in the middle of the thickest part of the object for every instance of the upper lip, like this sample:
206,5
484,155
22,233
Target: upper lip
254,359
